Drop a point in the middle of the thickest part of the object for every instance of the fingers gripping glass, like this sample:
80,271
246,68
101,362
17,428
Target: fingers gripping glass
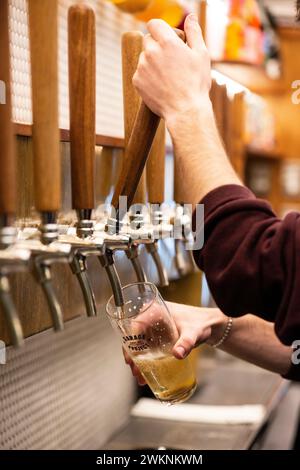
148,334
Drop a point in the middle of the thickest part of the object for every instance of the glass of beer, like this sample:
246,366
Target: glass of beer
148,334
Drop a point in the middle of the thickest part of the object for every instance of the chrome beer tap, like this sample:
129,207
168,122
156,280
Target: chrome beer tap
82,98
140,130
43,245
146,232
12,258
132,46
184,258
121,240
88,239
156,195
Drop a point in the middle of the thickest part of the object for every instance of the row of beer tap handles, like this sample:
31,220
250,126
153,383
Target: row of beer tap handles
39,248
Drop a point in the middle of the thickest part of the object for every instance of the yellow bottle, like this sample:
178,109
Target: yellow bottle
131,6
170,11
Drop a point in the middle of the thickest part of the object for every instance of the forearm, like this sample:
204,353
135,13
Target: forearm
254,340
199,152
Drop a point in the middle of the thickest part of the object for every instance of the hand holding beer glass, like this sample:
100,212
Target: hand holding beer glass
148,334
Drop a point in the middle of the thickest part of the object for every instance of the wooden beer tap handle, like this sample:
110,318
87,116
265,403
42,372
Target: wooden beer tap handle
82,91
7,150
44,73
156,167
137,151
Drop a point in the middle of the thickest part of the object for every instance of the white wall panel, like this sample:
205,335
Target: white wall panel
111,23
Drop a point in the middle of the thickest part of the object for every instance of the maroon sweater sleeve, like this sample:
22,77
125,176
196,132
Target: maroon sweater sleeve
252,259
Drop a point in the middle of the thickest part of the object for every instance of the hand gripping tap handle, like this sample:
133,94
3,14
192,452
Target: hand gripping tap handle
139,145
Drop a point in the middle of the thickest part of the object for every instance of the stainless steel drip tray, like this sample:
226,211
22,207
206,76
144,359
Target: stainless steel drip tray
142,433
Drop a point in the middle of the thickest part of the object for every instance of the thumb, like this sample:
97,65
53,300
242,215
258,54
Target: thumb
193,32
184,345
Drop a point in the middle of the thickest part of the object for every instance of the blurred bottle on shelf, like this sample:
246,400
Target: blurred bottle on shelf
170,11
260,134
131,6
244,34
271,43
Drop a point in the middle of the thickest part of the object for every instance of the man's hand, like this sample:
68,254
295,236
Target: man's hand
174,80
251,339
195,326
173,77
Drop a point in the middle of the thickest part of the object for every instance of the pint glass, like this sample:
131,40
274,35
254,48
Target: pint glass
148,334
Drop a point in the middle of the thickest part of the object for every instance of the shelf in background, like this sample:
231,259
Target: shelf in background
261,153
250,76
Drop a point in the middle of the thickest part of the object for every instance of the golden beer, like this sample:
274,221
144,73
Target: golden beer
170,379
149,334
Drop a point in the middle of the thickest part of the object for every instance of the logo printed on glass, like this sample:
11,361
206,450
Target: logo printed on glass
136,342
